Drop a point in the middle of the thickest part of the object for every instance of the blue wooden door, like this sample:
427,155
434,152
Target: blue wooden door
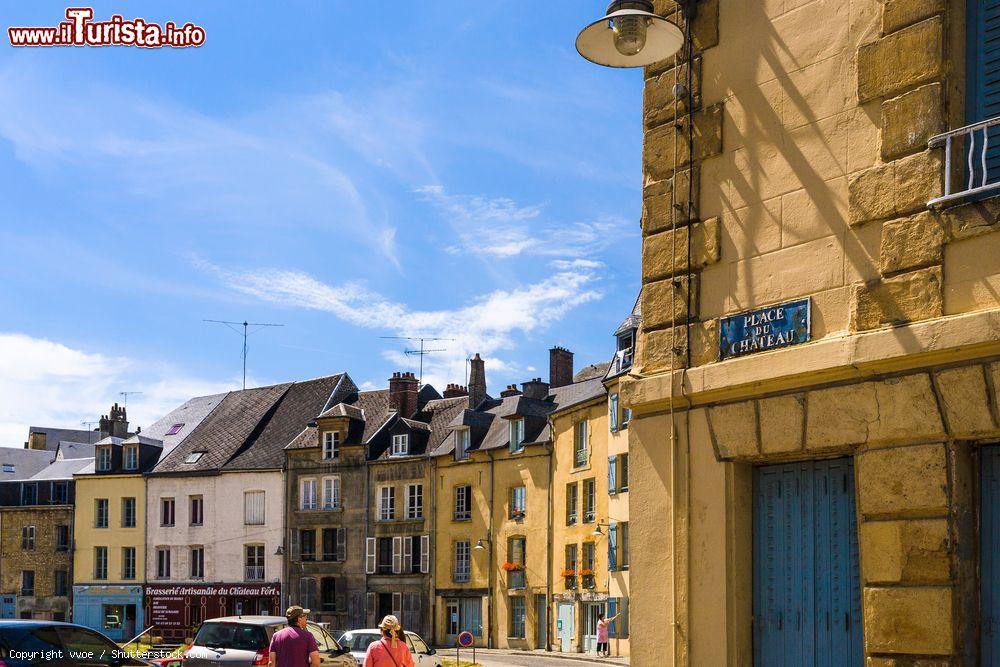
989,536
8,606
807,591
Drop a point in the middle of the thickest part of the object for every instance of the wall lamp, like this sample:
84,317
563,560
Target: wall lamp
629,35
597,529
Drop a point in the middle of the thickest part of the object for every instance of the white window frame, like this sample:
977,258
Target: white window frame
414,501
386,503
307,494
200,500
127,560
331,492
516,435
463,442
130,456
464,491
400,444
98,515
590,500
164,504
518,501
127,515
103,463
462,571
162,562
197,561
331,445
100,564
581,444
254,502
27,538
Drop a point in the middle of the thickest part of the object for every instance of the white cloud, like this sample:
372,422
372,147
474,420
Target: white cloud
45,383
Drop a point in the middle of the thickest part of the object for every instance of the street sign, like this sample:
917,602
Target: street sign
764,329
465,639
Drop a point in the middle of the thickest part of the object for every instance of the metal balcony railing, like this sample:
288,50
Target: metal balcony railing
982,166
254,573
515,579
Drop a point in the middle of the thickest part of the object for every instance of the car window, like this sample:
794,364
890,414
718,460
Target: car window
358,641
87,647
238,636
418,643
409,643
32,642
319,636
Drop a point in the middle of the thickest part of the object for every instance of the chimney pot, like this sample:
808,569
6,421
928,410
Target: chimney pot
403,394
560,367
477,381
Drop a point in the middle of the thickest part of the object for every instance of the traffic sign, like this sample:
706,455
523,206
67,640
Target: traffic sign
465,639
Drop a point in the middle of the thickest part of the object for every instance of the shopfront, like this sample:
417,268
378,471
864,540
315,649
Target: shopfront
175,610
115,611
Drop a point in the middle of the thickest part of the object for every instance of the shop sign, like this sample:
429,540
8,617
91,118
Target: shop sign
764,329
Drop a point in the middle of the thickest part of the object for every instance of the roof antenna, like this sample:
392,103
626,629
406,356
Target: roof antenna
245,333
90,430
125,395
421,352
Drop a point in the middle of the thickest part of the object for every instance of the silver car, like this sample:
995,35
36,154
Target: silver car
242,641
357,641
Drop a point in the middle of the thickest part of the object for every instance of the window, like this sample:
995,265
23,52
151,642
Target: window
619,627
103,459
167,512
580,441
100,563
128,512
384,555
516,435
516,547
254,563
589,500
517,616
328,594
331,444
386,503
27,538
463,562
623,545
589,564
253,508
101,513
414,501
622,473
307,494
331,493
131,453
400,445
334,544
60,583
307,592
8,468
569,573
463,441
307,544
194,457
518,502
613,412
27,583
463,503
29,493
162,562
62,538
175,429
59,493
626,417
572,502
128,563
197,562
196,515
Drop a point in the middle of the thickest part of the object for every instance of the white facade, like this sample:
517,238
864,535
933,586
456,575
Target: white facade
226,529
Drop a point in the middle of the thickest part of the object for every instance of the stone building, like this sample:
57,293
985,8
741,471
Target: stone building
795,174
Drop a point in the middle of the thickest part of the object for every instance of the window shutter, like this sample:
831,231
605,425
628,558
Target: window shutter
370,559
407,554
612,548
372,608
612,475
425,553
341,603
623,627
341,553
397,604
983,87
397,555
612,610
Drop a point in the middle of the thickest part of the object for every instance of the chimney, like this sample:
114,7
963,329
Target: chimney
511,390
403,394
535,389
477,381
560,367
115,424
456,390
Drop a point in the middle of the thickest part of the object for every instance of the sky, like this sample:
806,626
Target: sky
350,170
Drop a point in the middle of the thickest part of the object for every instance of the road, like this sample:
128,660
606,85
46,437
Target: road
498,659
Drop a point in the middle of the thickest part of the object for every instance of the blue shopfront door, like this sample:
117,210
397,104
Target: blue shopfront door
8,606
807,592
115,611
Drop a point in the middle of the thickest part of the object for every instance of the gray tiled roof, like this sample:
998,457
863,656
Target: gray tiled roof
75,450
578,392
63,469
189,414
26,462
592,371
634,319
440,414
53,436
368,409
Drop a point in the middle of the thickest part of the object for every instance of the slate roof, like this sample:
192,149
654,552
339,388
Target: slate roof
369,410
592,371
439,414
63,469
634,319
576,393
53,436
190,414
377,408
26,462
74,450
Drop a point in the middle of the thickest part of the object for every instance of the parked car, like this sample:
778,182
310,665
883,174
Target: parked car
357,641
27,643
242,641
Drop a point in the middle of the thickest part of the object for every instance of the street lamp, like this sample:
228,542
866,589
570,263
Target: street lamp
479,545
630,35
597,529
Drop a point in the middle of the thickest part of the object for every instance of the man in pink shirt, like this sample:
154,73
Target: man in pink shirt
294,646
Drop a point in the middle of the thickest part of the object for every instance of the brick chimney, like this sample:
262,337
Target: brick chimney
477,381
560,367
114,424
511,390
403,394
455,390
535,389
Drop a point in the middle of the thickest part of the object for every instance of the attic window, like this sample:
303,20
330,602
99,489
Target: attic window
7,467
400,445
194,457
175,429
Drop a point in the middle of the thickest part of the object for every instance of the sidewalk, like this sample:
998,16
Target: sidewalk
588,658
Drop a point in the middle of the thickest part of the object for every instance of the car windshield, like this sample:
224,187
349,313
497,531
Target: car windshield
238,636
358,641
58,646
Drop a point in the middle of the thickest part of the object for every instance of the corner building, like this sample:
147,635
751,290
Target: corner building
801,165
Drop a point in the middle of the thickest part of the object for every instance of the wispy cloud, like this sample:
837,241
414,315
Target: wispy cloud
46,383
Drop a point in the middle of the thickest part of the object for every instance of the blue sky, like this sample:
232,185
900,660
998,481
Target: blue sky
446,168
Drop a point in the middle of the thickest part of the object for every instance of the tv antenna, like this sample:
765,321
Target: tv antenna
421,352
125,395
244,333
90,429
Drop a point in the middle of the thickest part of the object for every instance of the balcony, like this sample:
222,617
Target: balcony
980,163
254,573
515,579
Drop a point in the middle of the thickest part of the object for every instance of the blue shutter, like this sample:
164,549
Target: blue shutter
612,475
612,548
983,72
613,412
612,610
989,536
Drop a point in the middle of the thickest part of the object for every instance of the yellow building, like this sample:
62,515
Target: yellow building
109,537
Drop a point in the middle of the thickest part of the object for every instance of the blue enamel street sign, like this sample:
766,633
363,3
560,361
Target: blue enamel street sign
764,329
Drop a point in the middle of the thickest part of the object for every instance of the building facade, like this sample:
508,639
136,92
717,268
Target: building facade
795,173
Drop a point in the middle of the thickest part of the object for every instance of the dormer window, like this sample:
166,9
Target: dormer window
131,457
463,441
516,435
623,357
103,459
331,445
400,445
194,457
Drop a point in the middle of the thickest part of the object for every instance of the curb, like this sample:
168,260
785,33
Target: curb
578,657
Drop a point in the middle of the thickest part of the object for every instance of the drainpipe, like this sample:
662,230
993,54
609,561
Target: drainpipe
548,554
433,541
489,597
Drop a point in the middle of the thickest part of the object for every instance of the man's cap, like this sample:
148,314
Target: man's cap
295,611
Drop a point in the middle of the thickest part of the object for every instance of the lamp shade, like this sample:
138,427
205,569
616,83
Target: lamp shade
630,35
